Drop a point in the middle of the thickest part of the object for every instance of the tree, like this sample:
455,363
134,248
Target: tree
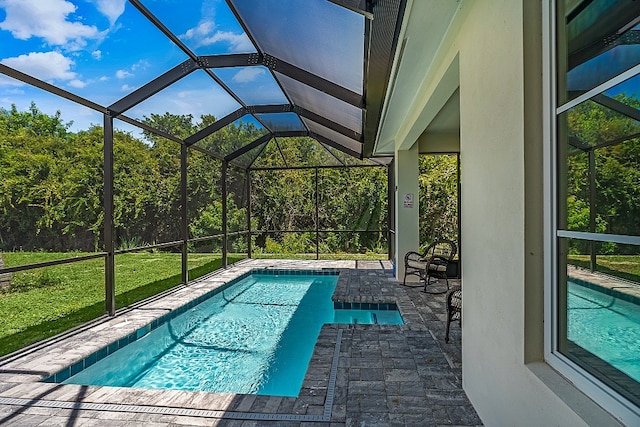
52,190
35,158
32,123
438,199
349,199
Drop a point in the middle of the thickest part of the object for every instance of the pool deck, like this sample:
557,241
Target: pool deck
606,281
359,375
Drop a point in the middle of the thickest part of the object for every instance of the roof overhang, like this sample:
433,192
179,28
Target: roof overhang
421,82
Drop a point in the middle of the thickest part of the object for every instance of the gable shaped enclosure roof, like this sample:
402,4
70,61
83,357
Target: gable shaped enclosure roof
317,69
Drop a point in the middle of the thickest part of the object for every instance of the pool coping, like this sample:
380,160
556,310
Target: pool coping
140,333
605,283
193,412
22,375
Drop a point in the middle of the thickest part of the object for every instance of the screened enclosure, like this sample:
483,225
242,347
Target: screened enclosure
144,144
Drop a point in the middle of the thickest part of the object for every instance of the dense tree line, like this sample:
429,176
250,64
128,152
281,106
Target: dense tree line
51,184
51,187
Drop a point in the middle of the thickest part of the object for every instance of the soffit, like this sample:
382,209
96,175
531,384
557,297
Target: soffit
425,26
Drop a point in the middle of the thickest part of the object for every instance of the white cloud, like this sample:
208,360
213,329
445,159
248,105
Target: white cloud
123,74
126,88
202,30
97,54
205,34
112,9
140,65
48,20
43,65
103,78
238,42
248,74
77,83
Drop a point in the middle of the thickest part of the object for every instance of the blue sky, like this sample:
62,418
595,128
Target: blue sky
104,49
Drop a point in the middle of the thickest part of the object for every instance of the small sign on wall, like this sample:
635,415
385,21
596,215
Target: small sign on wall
408,200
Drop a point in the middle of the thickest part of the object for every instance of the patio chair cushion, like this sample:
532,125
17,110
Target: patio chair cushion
421,264
438,267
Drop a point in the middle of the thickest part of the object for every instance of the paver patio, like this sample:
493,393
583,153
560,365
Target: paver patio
359,375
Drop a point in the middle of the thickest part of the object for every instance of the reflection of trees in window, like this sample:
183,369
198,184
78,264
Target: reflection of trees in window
612,139
598,178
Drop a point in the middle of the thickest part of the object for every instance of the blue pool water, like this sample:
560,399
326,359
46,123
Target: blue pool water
256,336
606,326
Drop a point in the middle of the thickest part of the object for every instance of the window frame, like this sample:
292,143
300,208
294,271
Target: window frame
603,395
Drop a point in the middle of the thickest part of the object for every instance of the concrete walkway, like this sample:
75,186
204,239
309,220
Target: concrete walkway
359,375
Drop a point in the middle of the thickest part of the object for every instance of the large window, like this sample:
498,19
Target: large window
597,188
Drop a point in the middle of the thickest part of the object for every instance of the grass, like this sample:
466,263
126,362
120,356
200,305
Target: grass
623,266
51,300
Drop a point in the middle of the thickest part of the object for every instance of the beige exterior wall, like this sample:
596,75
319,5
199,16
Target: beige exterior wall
495,46
492,136
406,178
439,143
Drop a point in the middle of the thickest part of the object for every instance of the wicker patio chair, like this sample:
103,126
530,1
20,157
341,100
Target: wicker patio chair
431,264
454,309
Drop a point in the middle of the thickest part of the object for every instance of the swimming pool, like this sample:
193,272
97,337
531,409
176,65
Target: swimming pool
256,337
606,326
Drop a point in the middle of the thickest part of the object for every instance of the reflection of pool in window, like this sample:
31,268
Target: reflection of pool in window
606,326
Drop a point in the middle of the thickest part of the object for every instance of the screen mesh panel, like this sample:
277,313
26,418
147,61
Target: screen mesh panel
233,136
281,122
196,94
284,29
254,85
322,104
206,30
341,140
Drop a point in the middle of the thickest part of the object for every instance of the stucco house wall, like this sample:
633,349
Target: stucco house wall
494,48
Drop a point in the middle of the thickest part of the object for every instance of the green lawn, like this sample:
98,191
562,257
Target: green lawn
623,266
47,301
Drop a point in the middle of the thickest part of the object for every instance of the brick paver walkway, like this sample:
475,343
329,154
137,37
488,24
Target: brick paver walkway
359,375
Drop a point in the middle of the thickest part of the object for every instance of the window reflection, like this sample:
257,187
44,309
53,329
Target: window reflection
602,163
602,314
598,188
597,41
577,200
